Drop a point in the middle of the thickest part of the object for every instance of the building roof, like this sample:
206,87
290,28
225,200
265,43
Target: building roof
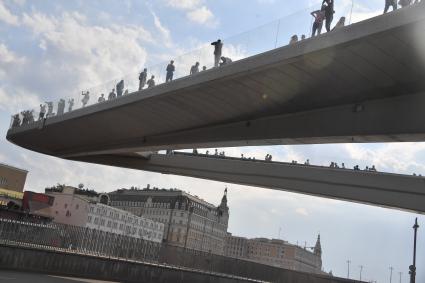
143,194
13,167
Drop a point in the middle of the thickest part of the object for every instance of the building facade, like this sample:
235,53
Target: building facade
276,253
189,221
12,182
70,207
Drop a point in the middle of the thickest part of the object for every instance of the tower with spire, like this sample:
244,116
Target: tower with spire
318,247
318,252
223,209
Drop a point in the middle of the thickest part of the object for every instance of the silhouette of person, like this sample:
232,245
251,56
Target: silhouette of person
319,16
16,121
329,13
86,97
112,95
42,111
151,82
101,98
120,88
340,23
225,61
204,68
194,69
294,39
70,104
170,71
61,107
49,109
218,46
390,3
142,78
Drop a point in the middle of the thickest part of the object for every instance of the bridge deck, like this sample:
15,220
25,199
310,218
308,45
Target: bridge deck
375,188
361,83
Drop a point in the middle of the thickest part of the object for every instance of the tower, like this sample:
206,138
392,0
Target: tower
318,247
223,209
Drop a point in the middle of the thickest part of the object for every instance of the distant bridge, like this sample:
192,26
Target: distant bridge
374,188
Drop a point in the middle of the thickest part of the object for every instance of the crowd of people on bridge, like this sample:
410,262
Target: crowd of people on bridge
323,16
268,158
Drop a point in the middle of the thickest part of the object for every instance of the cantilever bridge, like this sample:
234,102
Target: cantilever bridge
361,83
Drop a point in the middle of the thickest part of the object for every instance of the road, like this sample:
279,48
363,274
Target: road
23,277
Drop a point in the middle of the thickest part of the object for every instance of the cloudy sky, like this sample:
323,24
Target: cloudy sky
53,49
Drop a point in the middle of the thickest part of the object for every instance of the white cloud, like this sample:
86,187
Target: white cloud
7,17
14,100
202,15
9,57
184,4
301,211
20,2
165,33
196,11
78,55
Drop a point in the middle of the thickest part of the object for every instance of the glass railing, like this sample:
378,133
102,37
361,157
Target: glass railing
267,37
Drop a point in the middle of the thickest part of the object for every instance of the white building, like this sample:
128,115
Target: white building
190,222
73,208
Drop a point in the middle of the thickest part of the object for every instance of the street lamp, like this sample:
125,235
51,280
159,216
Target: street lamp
361,269
391,273
348,270
412,268
400,275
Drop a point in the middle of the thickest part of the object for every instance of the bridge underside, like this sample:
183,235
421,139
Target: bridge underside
374,188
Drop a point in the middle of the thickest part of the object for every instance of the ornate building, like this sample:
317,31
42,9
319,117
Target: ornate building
190,222
275,252
76,207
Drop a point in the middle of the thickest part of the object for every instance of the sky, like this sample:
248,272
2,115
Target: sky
53,49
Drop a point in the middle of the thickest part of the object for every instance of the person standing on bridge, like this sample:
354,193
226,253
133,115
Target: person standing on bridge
42,111
340,23
319,16
218,46
112,95
329,13
120,88
151,82
86,98
390,3
142,78
225,61
194,69
101,98
170,71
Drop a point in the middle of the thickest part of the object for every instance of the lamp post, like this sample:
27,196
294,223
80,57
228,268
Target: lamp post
400,276
361,269
391,273
348,270
412,268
